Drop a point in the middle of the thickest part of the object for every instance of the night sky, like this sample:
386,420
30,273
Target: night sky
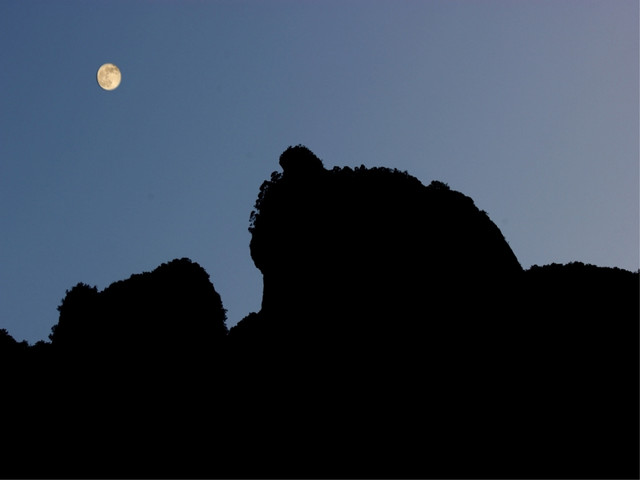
528,107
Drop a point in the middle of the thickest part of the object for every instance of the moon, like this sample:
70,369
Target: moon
109,76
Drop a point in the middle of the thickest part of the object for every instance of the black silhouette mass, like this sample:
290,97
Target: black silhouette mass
398,337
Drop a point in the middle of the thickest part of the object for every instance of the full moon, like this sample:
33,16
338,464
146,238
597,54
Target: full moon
109,76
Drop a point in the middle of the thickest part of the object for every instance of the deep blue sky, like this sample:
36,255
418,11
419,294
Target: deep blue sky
529,107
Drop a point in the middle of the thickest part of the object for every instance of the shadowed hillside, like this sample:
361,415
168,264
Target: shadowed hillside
398,337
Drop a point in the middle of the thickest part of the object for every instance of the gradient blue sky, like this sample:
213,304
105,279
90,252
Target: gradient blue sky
529,107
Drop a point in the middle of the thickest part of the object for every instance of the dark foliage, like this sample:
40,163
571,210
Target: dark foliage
398,337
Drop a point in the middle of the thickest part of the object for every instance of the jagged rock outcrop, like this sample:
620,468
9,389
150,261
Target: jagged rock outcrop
360,252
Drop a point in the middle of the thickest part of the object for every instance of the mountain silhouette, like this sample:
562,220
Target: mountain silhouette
125,378
173,311
398,336
369,249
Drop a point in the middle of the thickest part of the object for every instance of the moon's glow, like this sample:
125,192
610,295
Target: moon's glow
109,76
